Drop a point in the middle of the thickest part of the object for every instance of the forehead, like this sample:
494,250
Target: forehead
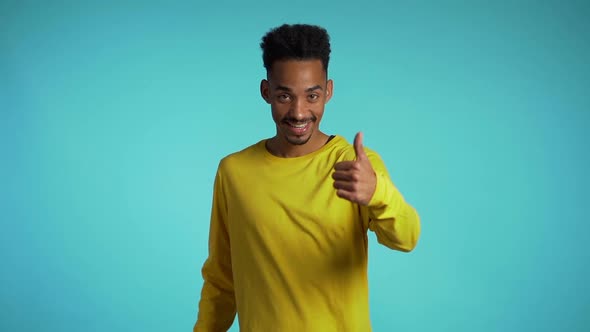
297,73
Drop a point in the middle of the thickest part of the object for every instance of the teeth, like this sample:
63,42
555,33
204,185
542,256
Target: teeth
298,125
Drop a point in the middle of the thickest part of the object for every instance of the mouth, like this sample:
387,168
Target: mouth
298,128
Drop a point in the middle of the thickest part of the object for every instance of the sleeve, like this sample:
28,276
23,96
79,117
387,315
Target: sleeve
217,307
395,222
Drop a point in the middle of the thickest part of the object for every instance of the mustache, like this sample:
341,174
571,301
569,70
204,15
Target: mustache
292,120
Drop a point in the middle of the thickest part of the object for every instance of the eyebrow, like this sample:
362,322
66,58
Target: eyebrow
284,88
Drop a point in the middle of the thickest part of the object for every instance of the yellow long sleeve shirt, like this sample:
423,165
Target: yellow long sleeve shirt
285,252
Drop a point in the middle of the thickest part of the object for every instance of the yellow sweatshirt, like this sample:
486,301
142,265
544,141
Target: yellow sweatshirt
285,252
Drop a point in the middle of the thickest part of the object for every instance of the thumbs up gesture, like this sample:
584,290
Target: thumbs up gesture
355,180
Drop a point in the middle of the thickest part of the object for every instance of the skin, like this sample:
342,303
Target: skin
298,91
355,180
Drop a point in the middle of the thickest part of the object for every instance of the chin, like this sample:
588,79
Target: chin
298,140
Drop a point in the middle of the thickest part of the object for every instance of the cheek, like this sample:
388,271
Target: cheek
277,113
319,113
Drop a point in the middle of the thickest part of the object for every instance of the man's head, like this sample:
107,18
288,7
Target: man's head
297,87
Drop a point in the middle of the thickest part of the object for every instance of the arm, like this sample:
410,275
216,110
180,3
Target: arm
217,307
395,222
365,181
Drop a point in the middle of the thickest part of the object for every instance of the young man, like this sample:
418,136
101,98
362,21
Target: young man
288,233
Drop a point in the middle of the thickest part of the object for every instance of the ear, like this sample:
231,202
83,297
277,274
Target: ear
329,90
265,91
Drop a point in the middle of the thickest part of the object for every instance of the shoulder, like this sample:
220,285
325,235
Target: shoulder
239,158
346,150
342,146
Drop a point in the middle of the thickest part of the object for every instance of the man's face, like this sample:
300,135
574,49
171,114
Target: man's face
297,91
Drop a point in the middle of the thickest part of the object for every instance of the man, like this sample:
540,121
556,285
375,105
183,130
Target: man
288,233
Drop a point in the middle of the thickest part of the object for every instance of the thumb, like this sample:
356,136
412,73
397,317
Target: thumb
358,147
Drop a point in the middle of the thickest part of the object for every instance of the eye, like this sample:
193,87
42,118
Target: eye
283,97
313,97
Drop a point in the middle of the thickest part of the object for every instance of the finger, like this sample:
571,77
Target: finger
344,185
341,175
344,165
346,195
358,147
345,176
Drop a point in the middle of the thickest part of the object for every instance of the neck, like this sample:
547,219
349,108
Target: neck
282,148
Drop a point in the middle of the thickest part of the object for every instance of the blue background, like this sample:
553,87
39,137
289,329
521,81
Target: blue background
114,115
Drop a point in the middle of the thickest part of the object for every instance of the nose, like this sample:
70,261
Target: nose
298,109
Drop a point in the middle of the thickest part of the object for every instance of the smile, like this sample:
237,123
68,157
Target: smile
298,128
301,125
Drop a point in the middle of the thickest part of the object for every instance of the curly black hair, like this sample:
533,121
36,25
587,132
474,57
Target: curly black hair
296,42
